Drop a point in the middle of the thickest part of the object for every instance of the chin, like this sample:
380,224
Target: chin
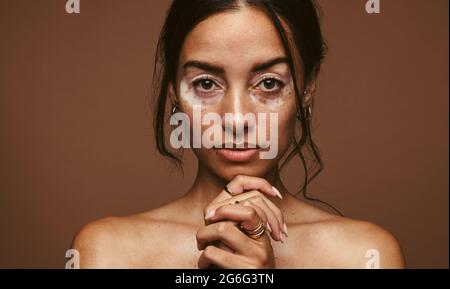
228,171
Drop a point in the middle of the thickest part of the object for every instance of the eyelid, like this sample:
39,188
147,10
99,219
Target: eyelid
265,77
207,77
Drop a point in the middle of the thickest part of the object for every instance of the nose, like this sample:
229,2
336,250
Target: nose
238,117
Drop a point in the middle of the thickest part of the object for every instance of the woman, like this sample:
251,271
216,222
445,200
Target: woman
238,57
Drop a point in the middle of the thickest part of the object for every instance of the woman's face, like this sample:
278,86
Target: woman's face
235,63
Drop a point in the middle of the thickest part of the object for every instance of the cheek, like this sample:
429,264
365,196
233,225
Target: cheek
286,127
287,121
285,108
196,115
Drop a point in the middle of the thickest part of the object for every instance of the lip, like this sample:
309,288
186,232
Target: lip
238,155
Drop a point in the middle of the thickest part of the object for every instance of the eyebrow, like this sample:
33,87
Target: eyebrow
219,70
204,65
263,66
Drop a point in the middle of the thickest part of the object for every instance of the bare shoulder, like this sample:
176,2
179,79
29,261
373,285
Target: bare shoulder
355,244
348,243
124,242
102,243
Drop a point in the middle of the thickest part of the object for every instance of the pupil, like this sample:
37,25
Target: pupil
206,84
269,83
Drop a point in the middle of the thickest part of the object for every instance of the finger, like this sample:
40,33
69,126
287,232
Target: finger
210,210
220,258
277,213
250,215
225,232
229,201
270,204
242,183
273,223
261,213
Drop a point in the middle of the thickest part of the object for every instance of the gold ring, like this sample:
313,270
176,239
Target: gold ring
228,190
255,233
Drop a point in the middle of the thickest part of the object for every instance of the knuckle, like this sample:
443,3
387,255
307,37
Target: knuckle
239,178
246,203
257,199
222,228
208,252
251,213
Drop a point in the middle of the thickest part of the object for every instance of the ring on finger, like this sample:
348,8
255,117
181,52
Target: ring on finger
255,233
227,190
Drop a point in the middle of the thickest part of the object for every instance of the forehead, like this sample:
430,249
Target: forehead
243,36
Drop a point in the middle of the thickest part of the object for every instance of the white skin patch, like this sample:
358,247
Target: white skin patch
206,90
274,102
189,95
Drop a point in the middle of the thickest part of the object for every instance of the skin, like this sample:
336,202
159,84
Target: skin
184,233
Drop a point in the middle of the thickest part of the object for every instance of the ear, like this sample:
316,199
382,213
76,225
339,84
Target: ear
172,95
309,91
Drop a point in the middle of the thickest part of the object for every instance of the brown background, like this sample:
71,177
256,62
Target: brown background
76,140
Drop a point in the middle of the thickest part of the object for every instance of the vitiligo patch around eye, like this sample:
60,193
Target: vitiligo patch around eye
274,103
187,94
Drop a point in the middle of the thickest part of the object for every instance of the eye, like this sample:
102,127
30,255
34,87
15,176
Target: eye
206,87
270,84
204,84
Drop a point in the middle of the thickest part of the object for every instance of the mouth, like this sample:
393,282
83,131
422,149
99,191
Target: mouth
244,153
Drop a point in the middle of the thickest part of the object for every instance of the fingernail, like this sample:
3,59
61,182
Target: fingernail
280,236
283,238
210,214
277,192
285,229
269,227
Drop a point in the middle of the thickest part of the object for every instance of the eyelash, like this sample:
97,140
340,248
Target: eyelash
198,81
278,82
